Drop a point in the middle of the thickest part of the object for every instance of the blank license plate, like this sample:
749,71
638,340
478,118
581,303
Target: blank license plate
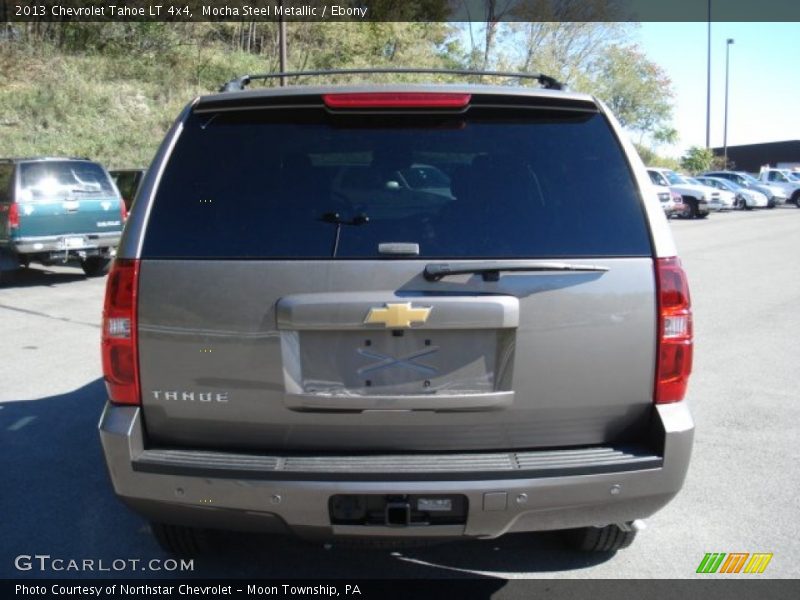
376,363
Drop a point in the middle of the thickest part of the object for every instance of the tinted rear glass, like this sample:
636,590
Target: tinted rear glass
48,179
307,184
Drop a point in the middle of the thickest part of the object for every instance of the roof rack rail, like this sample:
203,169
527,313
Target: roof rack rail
240,83
35,158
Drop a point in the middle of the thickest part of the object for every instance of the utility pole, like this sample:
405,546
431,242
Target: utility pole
725,129
708,82
282,43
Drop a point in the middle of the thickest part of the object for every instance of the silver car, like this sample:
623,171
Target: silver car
508,355
721,198
774,195
744,198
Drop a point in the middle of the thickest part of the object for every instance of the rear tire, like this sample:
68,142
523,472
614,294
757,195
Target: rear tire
796,200
599,539
180,540
96,266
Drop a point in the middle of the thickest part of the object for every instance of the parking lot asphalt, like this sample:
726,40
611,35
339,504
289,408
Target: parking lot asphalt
742,493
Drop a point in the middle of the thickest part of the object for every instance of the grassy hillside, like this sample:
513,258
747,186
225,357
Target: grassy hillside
111,91
114,109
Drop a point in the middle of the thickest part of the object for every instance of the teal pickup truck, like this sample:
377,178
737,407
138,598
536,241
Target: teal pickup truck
56,211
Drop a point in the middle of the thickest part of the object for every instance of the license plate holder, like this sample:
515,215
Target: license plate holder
378,363
74,242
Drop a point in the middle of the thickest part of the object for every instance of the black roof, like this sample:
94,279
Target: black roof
751,157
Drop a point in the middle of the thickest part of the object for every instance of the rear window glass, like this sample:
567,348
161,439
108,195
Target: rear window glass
307,184
48,179
657,178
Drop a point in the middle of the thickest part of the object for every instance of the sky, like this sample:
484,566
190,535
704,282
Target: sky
764,83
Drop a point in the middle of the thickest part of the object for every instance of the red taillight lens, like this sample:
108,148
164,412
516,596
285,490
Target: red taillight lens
119,347
674,331
123,212
396,100
13,216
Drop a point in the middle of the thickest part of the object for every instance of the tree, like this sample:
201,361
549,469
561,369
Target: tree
566,50
665,135
697,159
646,154
562,39
491,14
652,159
719,164
637,90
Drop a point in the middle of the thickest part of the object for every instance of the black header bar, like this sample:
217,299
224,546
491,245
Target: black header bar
394,10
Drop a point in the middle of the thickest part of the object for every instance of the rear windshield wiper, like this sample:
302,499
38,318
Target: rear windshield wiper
491,270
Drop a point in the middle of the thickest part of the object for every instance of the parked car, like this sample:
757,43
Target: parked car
744,198
128,182
775,195
666,198
695,198
58,210
784,180
285,357
671,201
723,199
679,207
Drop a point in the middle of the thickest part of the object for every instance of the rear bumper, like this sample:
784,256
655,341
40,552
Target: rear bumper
208,490
66,242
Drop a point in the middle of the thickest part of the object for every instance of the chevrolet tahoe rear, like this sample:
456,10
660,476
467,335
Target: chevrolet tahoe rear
294,341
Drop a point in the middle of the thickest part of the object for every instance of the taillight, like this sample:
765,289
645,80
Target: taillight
119,344
123,212
674,356
397,100
13,216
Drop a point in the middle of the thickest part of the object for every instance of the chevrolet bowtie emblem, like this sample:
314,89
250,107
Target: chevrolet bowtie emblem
399,314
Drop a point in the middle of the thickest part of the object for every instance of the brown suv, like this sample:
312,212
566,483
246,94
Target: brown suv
295,341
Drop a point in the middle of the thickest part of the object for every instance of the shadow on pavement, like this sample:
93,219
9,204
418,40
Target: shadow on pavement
57,500
40,276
